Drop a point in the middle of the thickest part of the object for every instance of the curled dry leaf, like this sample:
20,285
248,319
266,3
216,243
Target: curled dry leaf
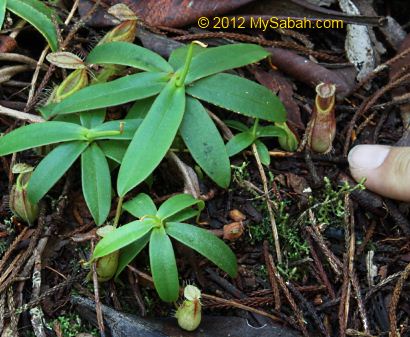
358,44
307,71
233,231
303,8
281,86
7,44
122,12
236,215
171,13
66,60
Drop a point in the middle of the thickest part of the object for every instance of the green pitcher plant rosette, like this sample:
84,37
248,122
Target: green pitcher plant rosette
156,227
74,141
167,97
173,90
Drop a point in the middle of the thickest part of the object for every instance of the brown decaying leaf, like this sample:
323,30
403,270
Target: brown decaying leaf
7,44
307,71
302,8
275,81
171,13
233,231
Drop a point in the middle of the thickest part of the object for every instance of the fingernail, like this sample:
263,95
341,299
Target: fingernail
368,156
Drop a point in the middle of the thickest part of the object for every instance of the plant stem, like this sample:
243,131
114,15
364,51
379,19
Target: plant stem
118,211
254,127
268,205
91,135
181,79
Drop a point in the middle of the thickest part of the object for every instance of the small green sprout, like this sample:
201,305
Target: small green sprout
249,136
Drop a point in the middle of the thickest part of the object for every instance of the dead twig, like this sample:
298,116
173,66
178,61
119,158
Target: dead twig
382,67
13,57
311,310
98,308
271,274
258,40
227,303
136,292
319,266
235,304
36,313
395,300
367,103
298,313
268,205
21,115
7,73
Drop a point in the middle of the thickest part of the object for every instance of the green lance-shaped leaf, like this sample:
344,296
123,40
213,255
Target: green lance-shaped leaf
205,143
123,90
40,134
219,59
128,54
94,118
270,131
140,206
122,236
206,244
153,138
3,4
263,152
40,6
185,214
163,265
236,125
140,108
52,168
129,253
239,95
38,15
239,142
114,149
96,181
177,204
178,56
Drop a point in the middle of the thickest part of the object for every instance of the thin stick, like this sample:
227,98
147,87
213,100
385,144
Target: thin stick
395,300
274,284
41,61
17,29
238,305
98,309
35,76
36,313
228,303
20,115
118,211
268,205
72,12
298,313
13,57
